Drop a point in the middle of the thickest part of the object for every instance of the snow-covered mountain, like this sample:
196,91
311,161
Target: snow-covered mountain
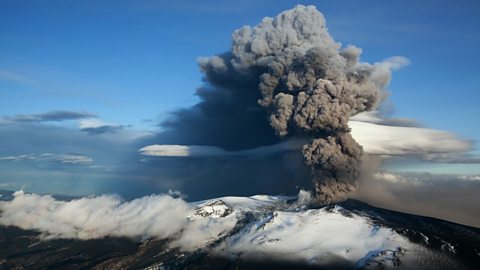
262,232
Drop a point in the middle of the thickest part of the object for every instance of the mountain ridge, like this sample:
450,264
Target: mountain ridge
261,232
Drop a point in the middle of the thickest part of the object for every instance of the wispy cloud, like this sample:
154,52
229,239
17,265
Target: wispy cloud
395,63
97,126
46,117
68,159
423,178
16,78
87,122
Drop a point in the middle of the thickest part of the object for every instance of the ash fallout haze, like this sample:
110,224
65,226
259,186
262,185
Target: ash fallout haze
173,135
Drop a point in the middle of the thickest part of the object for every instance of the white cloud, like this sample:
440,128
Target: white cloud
96,217
19,157
400,140
405,137
92,123
168,150
97,126
387,176
72,159
423,178
171,150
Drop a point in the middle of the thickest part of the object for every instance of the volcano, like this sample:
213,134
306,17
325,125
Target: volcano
262,232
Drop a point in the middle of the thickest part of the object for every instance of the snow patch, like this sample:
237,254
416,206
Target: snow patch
313,235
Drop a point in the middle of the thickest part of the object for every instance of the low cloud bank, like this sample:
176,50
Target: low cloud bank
96,217
155,216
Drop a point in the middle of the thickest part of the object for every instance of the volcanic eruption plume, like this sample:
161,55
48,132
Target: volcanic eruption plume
289,72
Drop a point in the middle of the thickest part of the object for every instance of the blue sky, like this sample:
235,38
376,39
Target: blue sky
132,62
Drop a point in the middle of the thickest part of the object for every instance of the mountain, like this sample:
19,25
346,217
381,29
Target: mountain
262,232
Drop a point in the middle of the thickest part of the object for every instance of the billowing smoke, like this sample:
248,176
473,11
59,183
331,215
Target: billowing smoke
307,85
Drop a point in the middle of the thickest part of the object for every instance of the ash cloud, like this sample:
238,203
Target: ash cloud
452,197
287,77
